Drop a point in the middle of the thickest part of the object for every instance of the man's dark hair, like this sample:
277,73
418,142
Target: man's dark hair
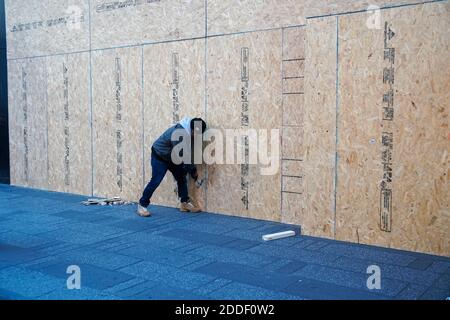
197,124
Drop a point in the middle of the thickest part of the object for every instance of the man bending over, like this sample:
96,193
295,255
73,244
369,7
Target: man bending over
162,160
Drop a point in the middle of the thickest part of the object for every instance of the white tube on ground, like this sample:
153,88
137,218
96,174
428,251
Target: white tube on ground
278,235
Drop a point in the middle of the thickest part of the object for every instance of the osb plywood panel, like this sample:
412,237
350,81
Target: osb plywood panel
317,217
174,87
293,86
418,208
292,168
117,122
42,27
134,22
314,8
293,140
17,122
28,122
292,134
293,184
244,82
293,109
292,208
69,129
228,16
293,68
294,43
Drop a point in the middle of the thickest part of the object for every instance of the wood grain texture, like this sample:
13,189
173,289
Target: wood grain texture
42,27
225,85
69,127
317,80
27,111
292,208
315,8
140,22
174,87
294,43
117,123
319,142
420,203
248,15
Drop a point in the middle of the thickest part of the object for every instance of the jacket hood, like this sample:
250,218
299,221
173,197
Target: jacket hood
186,124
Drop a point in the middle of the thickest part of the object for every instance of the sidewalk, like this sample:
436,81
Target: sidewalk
174,255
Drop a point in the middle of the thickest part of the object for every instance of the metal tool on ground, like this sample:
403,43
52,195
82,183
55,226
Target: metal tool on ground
106,201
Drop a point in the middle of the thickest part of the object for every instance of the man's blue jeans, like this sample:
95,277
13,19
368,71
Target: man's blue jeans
159,169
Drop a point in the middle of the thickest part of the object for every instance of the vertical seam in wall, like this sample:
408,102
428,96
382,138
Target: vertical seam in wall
206,96
143,116
282,123
336,157
8,127
8,115
46,115
206,18
90,100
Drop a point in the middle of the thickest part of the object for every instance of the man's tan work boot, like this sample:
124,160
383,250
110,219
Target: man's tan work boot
188,207
143,211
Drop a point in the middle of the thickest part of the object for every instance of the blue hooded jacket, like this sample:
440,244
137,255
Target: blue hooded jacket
164,145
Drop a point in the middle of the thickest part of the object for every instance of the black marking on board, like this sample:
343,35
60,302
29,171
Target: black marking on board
386,210
389,75
175,87
389,54
25,123
52,22
115,5
387,137
388,34
244,95
66,126
291,192
119,133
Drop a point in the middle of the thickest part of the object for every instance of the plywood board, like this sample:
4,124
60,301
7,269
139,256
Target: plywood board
314,8
292,184
292,134
293,68
335,137
174,87
319,121
292,168
294,43
122,23
419,202
293,140
42,27
244,79
28,122
231,16
69,126
117,122
16,119
292,208
293,86
293,109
